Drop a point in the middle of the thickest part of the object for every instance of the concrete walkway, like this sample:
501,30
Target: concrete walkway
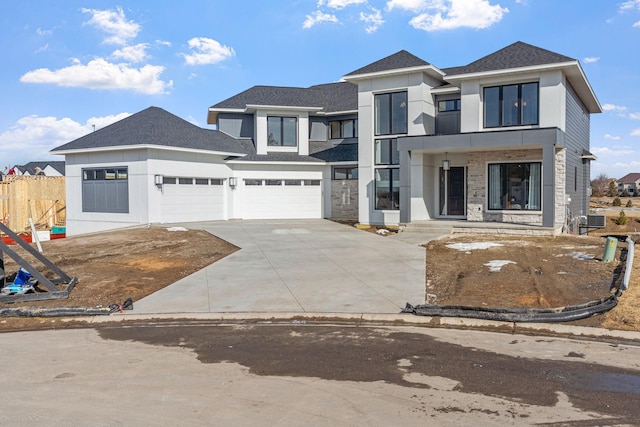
299,266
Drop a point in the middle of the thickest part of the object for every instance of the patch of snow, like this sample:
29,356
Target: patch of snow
465,247
581,256
496,264
176,229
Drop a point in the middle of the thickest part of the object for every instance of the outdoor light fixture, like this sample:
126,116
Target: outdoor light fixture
233,181
159,180
445,163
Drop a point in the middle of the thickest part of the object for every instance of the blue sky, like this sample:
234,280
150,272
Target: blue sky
70,65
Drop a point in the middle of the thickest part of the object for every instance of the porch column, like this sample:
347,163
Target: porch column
405,187
548,184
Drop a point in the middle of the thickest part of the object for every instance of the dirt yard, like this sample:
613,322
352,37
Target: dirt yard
117,265
529,271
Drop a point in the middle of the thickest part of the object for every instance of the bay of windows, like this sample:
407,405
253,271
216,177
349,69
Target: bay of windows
282,131
511,105
515,186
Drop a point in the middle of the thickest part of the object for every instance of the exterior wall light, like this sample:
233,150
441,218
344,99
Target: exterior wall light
233,182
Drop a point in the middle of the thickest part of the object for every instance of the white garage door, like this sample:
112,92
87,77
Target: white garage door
282,198
193,199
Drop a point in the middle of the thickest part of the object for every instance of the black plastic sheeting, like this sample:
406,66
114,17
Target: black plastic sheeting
65,311
542,315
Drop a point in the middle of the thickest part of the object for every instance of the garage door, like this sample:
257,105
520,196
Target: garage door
282,198
192,199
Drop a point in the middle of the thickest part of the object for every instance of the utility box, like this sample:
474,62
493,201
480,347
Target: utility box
596,221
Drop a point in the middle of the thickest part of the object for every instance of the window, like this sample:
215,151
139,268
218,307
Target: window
387,188
252,182
272,182
515,186
312,182
105,190
511,105
292,182
391,113
169,180
217,181
339,129
387,175
185,181
350,172
202,181
282,131
449,105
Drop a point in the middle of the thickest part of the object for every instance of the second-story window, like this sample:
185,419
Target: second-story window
339,129
282,131
511,105
391,113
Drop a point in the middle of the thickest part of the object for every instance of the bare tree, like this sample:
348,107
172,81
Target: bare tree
600,185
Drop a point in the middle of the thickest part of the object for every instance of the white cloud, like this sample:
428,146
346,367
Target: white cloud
611,137
115,23
616,151
634,116
43,48
100,74
373,20
590,59
630,5
636,24
635,132
207,51
42,32
452,14
318,17
415,5
163,43
340,4
136,53
613,107
35,136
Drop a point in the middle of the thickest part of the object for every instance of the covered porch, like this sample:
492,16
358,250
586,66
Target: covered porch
472,178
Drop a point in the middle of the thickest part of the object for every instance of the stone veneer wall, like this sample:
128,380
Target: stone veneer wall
344,199
477,187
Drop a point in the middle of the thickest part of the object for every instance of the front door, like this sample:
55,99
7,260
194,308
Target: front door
452,192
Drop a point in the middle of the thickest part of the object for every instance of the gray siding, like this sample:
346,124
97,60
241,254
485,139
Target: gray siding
318,130
576,141
236,125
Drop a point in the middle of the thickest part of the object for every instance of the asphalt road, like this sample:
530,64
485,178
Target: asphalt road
304,374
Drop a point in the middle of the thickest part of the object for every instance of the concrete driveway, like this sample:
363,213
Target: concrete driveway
306,266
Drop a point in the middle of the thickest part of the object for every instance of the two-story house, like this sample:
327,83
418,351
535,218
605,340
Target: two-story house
629,185
503,139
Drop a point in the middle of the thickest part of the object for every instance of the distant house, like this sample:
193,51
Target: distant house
502,139
52,168
629,183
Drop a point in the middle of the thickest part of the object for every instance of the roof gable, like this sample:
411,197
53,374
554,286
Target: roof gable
516,55
398,60
630,178
154,126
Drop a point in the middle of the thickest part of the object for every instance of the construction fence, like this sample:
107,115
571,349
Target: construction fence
41,198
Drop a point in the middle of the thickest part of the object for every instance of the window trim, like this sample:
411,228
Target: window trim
348,172
341,133
390,106
501,105
282,121
522,210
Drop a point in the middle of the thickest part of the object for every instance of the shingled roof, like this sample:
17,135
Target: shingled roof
516,55
630,178
330,97
398,60
155,126
30,167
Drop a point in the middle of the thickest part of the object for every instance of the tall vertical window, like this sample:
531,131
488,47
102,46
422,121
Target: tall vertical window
511,105
282,131
391,113
515,186
387,174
